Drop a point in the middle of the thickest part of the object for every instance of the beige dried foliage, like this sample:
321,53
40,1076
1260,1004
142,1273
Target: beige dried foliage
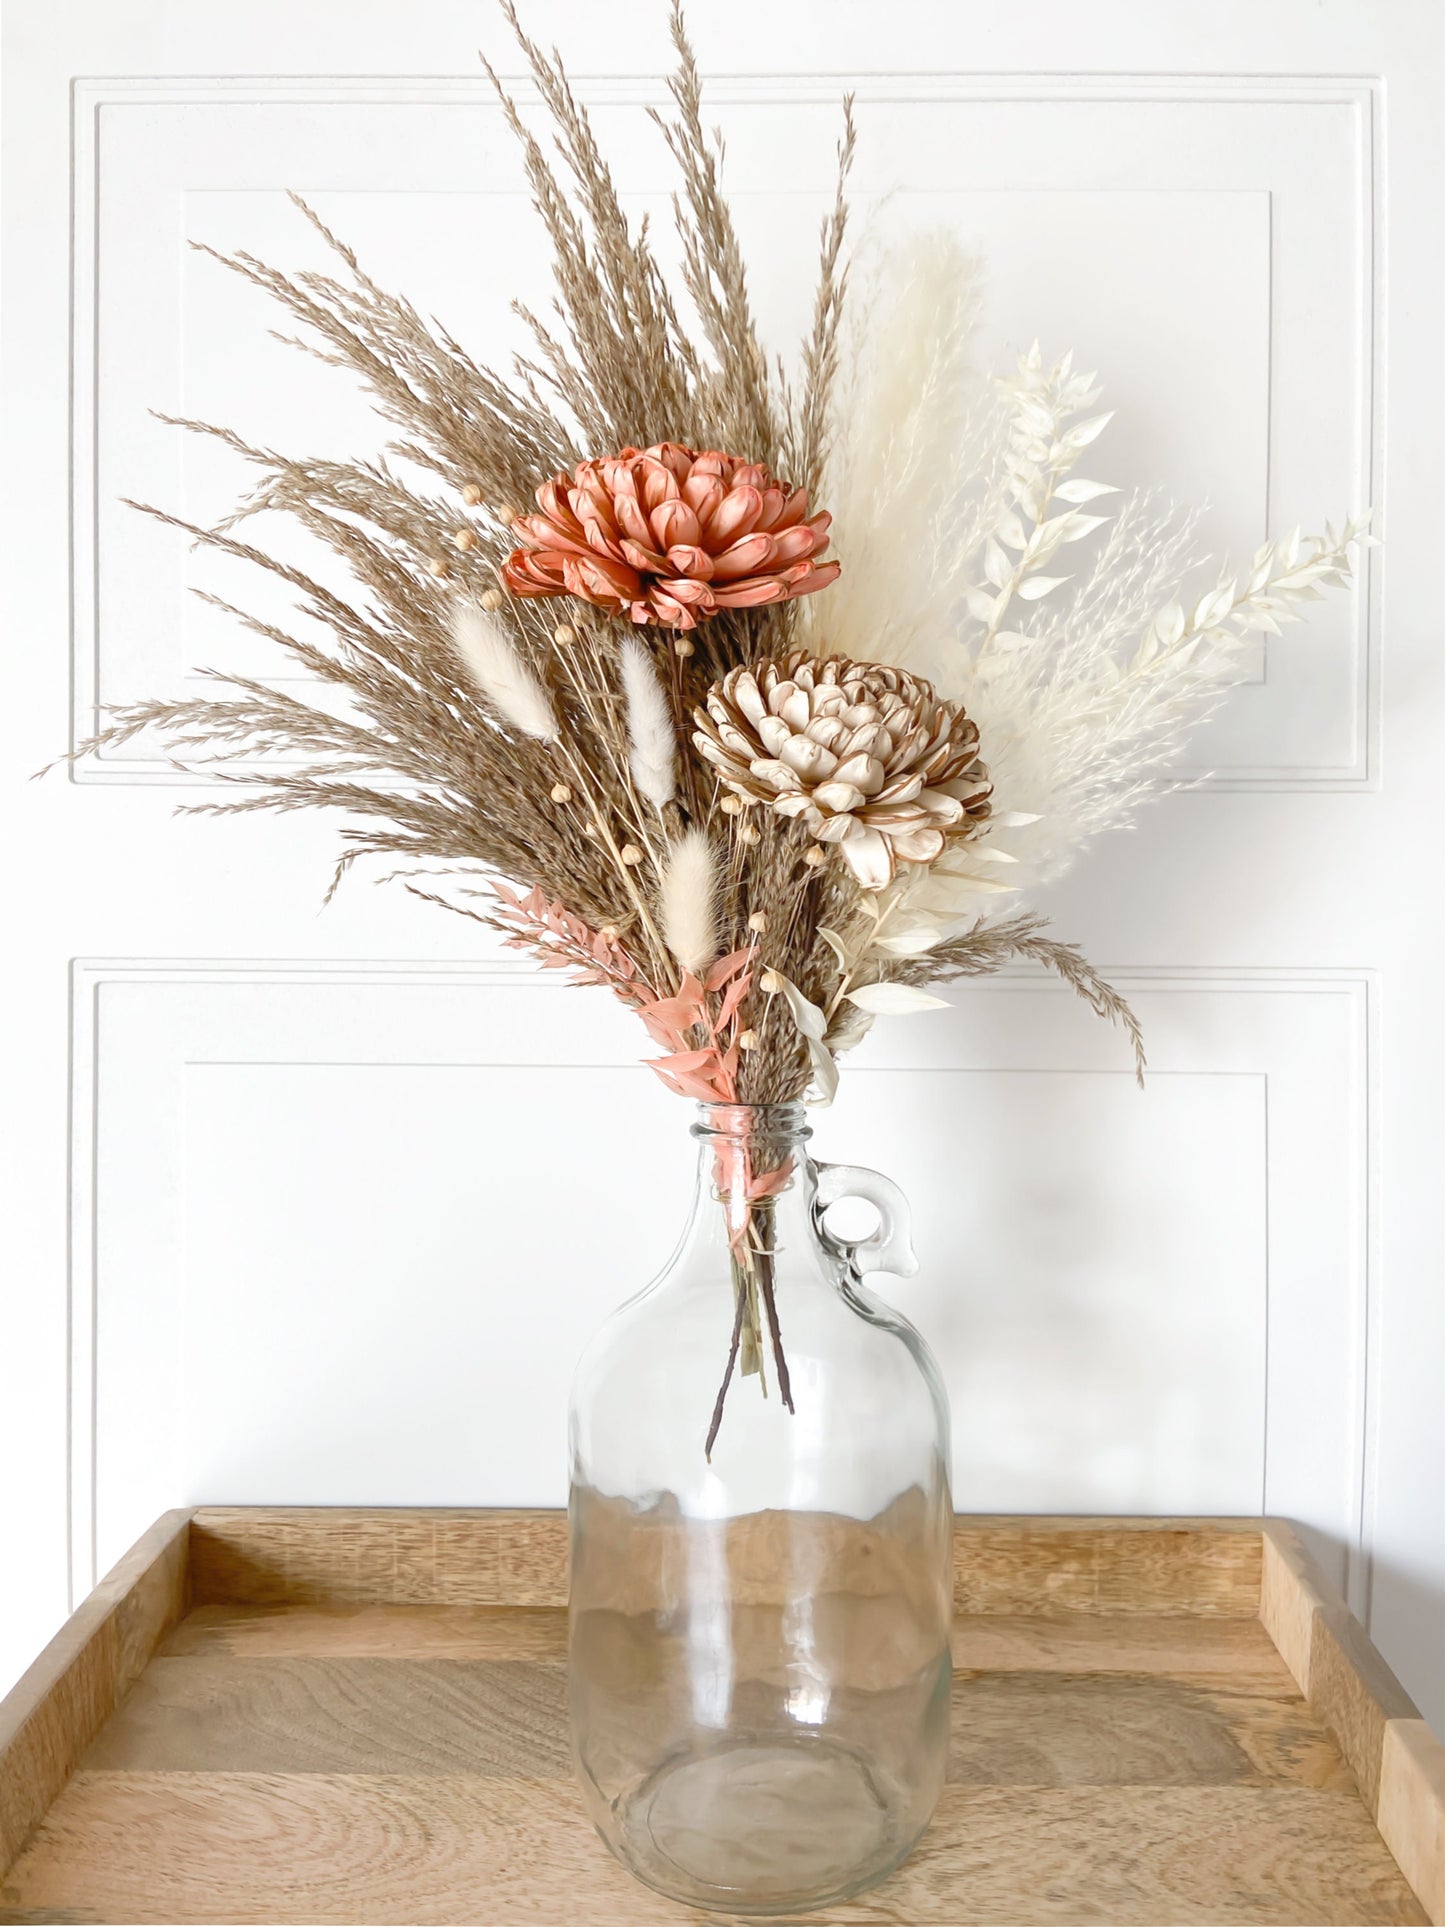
988,947
436,767
1069,618
460,734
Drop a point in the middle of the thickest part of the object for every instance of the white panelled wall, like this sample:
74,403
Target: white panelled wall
318,1208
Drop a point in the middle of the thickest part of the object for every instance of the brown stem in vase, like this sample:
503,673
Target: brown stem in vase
763,1259
722,1391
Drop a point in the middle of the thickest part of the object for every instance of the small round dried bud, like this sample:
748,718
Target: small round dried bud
506,516
608,933
682,647
439,567
561,793
758,921
750,834
630,855
747,1040
471,495
491,598
465,539
731,805
770,982
591,827
815,856
563,634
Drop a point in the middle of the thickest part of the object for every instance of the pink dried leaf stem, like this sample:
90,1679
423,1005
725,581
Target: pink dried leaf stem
559,939
709,1007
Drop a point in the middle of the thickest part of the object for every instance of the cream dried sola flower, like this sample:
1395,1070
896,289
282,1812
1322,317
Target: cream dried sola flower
870,757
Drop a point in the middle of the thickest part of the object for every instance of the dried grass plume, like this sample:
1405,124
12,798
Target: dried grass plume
494,665
688,901
651,731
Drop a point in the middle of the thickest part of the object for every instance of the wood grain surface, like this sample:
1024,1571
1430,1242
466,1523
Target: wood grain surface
1081,1729
376,1764
396,1715
1398,1765
1355,1694
1292,1588
1118,1567
344,1556
1003,1642
443,1849
375,1632
1411,1817
362,1718
1238,1649
59,1705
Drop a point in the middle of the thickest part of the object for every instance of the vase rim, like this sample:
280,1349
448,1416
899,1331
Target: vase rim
752,1121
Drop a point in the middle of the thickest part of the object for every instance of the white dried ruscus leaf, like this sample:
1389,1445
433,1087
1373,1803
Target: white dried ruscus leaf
895,1000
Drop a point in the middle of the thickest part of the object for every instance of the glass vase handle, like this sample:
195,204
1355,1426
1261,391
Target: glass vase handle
890,1246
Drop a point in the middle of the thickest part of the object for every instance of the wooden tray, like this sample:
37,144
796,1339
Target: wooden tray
316,1716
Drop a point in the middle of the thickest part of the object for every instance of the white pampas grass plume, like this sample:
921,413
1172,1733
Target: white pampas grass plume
687,902
499,672
905,477
1085,668
651,738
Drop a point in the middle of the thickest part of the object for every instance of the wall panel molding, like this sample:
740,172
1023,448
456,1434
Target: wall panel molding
163,1048
1292,764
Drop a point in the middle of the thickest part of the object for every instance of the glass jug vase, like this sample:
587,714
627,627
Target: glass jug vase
761,1530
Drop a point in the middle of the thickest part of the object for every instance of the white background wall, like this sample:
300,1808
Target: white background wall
306,1207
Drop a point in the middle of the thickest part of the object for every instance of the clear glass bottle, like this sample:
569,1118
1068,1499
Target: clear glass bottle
760,1597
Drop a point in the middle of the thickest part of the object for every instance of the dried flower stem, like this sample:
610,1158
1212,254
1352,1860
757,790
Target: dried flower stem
739,1307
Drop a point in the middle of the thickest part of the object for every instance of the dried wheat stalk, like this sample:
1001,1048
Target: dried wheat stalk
420,764
545,736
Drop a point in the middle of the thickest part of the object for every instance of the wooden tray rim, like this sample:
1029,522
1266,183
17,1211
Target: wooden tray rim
344,1556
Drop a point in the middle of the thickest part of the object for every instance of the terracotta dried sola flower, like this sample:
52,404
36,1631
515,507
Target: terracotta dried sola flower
668,536
871,758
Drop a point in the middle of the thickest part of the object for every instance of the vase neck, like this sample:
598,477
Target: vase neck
760,1148
753,1163
765,1128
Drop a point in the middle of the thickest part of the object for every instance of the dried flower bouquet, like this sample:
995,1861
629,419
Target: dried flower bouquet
600,685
